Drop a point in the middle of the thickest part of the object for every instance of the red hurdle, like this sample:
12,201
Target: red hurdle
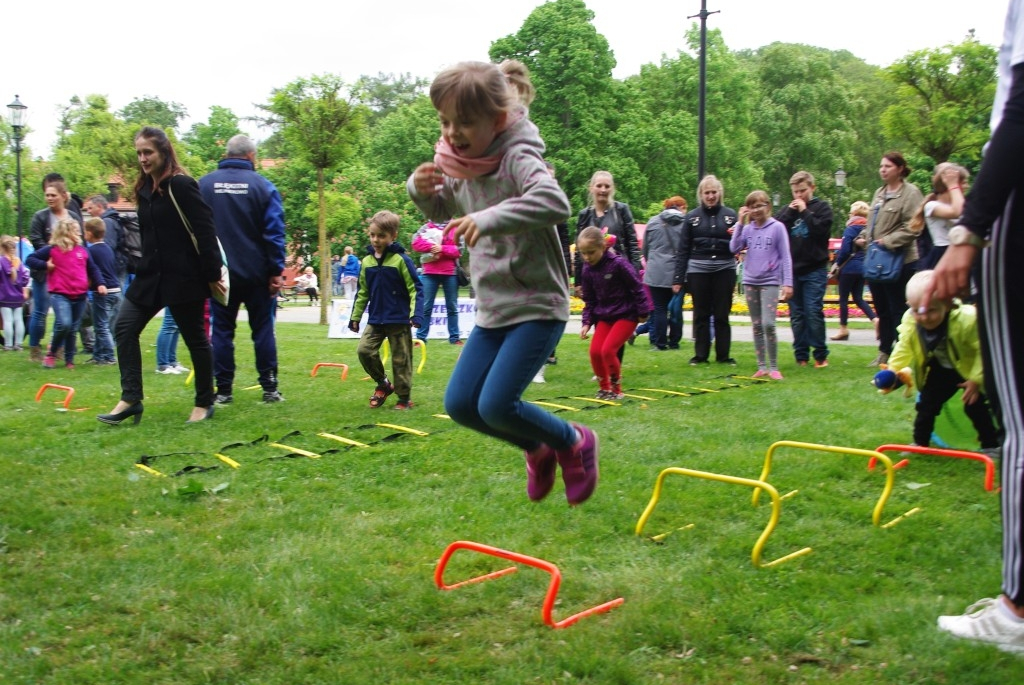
549,598
990,467
344,368
69,392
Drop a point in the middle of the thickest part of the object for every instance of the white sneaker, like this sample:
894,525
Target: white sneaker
986,621
167,370
539,378
179,369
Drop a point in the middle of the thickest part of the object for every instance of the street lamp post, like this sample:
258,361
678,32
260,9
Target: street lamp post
17,123
840,178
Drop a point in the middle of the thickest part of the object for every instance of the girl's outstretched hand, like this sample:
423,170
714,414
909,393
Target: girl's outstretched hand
427,179
585,332
464,227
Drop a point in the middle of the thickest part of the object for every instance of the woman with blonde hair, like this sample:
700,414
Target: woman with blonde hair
849,270
707,267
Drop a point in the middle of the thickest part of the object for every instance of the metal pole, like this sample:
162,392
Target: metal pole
701,123
17,156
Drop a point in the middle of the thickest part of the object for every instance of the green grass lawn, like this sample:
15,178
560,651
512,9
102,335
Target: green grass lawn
320,570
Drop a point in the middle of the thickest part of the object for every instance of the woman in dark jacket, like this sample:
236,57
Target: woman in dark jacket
605,212
707,267
174,271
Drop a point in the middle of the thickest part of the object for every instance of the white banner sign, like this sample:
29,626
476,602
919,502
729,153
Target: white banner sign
341,312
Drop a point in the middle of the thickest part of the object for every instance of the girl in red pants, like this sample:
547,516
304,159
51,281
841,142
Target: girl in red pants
615,301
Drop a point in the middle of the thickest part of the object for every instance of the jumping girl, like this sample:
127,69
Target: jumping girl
489,172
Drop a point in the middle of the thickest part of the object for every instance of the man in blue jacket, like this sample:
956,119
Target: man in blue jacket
249,216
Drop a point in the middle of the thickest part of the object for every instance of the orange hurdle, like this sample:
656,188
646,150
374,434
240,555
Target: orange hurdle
990,467
69,392
549,598
344,368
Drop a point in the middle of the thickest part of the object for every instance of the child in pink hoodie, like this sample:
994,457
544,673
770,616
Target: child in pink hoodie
69,272
440,254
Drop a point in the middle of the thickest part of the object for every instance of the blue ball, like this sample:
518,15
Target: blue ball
885,379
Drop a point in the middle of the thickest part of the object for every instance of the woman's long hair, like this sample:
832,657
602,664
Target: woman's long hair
163,145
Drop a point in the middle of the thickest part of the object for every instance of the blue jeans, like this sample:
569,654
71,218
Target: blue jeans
67,316
167,341
431,282
807,317
104,311
485,390
40,308
660,321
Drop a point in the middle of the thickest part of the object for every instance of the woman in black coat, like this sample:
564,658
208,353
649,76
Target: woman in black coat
174,272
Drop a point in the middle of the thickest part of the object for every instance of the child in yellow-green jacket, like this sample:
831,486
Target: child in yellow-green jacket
938,350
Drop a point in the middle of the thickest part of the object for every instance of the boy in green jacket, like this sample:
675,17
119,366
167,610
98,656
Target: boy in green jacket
938,350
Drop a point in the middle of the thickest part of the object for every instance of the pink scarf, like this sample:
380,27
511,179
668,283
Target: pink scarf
455,165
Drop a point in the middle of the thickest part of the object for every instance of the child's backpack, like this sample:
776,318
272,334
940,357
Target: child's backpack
130,246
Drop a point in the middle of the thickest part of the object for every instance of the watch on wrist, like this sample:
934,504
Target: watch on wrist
961,235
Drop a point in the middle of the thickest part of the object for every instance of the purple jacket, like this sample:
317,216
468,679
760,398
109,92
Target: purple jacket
612,291
12,293
768,259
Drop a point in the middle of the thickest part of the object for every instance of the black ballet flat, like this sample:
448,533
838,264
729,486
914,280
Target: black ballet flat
209,415
114,419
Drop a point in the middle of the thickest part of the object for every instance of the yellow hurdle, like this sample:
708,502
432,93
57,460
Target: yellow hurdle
385,350
773,521
876,514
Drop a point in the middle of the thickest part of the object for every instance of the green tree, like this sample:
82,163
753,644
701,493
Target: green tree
807,117
384,93
207,141
322,129
576,106
95,146
945,99
151,111
403,140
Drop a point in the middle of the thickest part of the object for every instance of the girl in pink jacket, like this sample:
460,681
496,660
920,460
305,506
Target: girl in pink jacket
440,254
69,272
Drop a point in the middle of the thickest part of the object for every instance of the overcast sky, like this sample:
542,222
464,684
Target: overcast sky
205,53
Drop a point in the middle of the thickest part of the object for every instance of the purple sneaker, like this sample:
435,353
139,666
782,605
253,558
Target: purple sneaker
541,465
579,466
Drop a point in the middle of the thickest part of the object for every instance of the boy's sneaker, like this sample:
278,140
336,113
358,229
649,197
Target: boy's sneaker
403,405
457,343
70,366
579,466
49,361
820,364
552,360
223,399
167,370
986,621
107,362
271,396
539,378
179,369
602,394
541,465
694,361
